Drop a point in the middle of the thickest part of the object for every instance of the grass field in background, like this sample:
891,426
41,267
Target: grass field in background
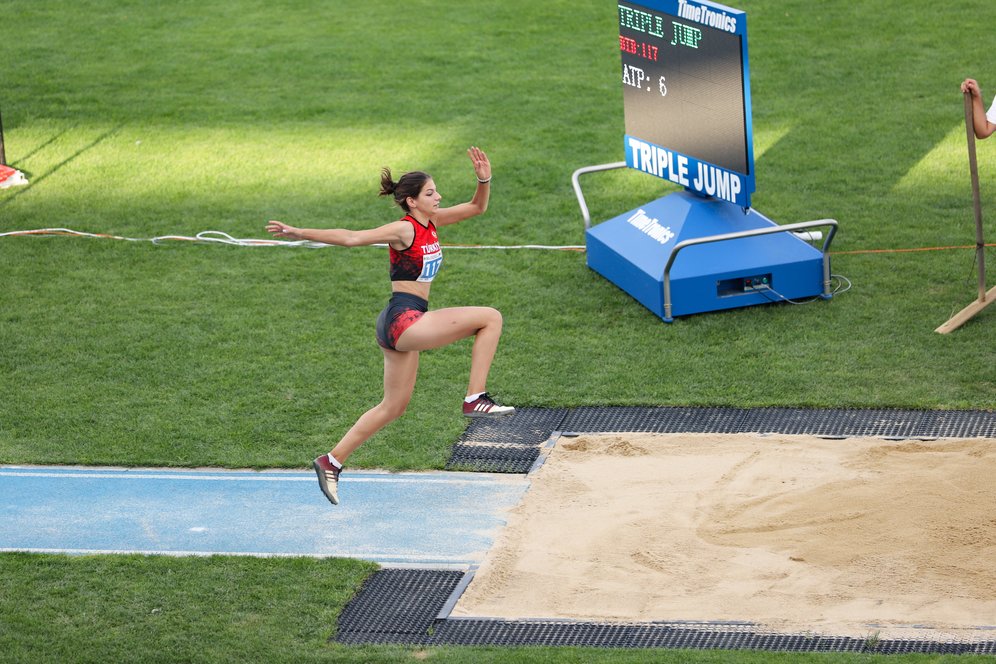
142,120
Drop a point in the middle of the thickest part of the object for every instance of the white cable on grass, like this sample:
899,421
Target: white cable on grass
220,237
68,231
562,247
840,278
225,238
781,298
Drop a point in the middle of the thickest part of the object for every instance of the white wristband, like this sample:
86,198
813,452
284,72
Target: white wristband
483,181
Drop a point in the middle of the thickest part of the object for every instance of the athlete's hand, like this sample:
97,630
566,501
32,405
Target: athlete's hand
280,229
482,167
971,85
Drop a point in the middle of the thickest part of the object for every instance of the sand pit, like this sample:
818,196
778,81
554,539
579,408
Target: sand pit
856,537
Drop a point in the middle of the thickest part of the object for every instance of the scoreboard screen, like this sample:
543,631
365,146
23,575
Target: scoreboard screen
686,95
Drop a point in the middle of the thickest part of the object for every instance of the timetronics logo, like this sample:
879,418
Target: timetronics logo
714,19
643,222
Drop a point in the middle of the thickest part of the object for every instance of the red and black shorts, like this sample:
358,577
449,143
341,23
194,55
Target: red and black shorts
401,312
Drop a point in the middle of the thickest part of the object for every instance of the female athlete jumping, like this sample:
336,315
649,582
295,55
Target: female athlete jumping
406,326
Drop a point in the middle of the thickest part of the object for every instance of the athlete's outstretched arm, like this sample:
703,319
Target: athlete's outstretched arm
397,233
479,203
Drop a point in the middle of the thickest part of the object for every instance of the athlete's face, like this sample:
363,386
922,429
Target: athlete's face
428,199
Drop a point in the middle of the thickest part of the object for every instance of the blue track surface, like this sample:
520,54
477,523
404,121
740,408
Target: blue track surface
410,519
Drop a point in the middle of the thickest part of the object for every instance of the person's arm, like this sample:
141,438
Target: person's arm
479,203
397,233
981,124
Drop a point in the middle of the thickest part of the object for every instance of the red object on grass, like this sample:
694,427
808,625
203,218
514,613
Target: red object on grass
10,177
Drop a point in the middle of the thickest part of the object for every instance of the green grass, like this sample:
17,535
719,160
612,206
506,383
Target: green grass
143,120
141,609
161,609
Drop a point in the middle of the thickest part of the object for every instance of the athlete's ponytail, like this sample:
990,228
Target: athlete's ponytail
409,184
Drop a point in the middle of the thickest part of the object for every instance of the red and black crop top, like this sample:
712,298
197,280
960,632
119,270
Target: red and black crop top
422,259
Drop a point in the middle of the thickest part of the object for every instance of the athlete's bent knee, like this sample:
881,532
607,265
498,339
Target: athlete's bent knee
391,411
494,318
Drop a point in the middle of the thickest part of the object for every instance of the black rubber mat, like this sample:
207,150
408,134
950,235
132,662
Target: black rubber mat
674,635
493,458
665,419
957,424
833,423
396,606
403,607
509,444
526,426
512,444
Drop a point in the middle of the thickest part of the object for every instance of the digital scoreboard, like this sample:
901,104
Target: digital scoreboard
686,100
686,95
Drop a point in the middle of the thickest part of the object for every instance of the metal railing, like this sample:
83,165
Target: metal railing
576,183
788,228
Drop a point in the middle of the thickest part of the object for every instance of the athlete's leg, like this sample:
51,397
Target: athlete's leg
400,371
444,326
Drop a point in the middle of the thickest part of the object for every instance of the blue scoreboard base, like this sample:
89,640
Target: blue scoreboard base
633,249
